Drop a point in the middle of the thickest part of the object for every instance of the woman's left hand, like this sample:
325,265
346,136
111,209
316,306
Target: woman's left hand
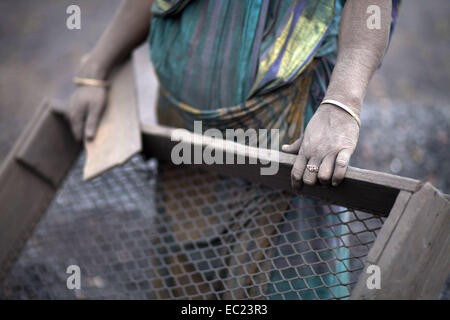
327,143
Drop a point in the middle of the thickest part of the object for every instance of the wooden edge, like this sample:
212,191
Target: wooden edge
58,107
49,135
30,190
412,250
365,190
146,84
40,110
389,225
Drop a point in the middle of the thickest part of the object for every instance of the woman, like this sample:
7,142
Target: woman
299,66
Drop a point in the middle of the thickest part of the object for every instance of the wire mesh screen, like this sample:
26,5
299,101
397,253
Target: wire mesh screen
143,231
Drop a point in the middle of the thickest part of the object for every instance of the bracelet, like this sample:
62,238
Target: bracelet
344,107
90,82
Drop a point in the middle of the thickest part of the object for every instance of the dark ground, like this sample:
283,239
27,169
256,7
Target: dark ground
405,118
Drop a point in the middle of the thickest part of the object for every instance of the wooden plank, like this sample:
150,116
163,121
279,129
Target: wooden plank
414,258
146,84
389,225
118,137
384,179
361,189
27,185
48,135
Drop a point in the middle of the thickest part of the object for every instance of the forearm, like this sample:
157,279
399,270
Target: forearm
127,30
360,51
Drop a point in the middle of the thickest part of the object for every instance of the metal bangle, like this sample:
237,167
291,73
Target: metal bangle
90,82
344,107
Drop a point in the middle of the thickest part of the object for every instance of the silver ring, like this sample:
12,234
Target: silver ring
312,168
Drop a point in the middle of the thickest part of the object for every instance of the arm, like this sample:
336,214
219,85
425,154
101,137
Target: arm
360,53
127,30
331,136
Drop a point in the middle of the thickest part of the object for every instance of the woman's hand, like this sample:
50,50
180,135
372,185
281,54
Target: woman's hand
327,143
126,31
331,135
85,110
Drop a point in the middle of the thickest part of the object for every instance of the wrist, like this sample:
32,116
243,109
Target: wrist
339,107
352,101
91,67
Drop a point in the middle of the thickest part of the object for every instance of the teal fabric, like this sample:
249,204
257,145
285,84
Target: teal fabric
229,67
329,44
207,54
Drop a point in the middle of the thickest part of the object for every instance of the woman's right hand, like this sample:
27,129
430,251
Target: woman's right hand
85,110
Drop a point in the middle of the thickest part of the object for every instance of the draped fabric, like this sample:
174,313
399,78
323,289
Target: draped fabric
224,52
283,109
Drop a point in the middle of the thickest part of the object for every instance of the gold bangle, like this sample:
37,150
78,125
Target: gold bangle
90,82
344,107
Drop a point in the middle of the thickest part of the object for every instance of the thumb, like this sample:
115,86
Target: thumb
293,148
92,122
77,113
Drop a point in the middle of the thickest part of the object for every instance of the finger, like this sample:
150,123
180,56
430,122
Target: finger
92,121
76,116
297,171
310,177
293,148
340,167
326,169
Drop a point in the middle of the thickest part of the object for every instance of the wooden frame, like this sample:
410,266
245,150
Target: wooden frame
412,249
29,178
